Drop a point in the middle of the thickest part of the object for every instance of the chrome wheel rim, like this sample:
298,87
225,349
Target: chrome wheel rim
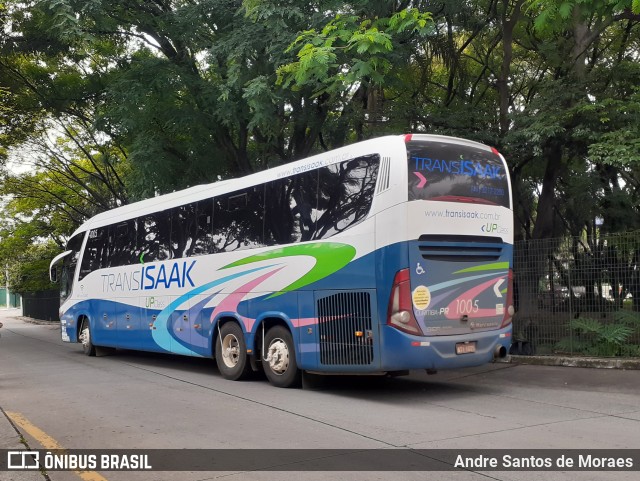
278,356
230,351
85,336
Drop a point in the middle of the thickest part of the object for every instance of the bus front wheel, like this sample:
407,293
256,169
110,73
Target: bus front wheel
85,338
231,352
279,358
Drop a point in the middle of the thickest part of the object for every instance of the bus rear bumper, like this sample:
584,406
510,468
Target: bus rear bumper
402,351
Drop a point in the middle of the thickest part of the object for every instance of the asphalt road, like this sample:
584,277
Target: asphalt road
139,400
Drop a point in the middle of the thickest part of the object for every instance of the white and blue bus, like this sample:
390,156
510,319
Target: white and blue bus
387,255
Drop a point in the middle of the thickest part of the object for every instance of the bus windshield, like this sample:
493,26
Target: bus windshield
69,263
456,172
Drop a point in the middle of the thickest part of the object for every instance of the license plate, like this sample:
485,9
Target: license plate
465,348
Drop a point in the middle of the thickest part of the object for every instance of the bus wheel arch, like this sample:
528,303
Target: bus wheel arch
278,354
230,350
84,336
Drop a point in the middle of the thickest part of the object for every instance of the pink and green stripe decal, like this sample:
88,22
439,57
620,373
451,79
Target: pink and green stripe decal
330,257
496,266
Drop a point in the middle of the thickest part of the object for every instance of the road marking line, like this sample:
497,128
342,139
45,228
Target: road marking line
48,442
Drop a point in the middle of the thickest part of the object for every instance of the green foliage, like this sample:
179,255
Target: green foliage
350,49
619,144
44,206
29,270
597,338
554,14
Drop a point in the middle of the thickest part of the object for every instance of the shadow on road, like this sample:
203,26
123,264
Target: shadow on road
380,388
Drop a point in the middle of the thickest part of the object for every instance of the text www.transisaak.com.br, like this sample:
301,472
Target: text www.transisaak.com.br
461,214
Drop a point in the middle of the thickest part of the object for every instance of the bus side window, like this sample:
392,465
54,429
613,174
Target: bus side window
123,240
278,220
304,203
203,238
345,194
145,236
290,208
96,252
154,232
238,220
163,223
182,230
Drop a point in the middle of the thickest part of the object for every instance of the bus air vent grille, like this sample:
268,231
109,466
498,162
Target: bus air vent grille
384,176
344,322
460,248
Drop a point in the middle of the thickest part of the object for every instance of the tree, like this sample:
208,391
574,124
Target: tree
587,48
162,95
28,272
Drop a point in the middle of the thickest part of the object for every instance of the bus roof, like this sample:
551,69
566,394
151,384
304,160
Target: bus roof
447,139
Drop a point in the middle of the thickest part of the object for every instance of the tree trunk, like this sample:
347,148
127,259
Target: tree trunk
504,93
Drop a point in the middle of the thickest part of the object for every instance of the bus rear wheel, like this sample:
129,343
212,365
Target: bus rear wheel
279,358
231,352
85,338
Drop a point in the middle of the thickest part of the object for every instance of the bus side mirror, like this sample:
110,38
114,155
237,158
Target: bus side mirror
53,274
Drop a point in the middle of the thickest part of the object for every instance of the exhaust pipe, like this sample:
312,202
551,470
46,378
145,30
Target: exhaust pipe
500,352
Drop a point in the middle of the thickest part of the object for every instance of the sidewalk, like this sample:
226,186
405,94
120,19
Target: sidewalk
569,361
11,440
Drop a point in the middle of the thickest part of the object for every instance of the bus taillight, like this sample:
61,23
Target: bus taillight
400,311
509,309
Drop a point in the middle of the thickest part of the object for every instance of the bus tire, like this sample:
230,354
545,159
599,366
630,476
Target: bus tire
85,338
279,358
231,352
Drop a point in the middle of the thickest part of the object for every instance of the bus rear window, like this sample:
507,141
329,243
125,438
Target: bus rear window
456,173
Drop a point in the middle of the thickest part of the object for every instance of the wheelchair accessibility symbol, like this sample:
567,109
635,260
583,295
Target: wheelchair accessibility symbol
419,269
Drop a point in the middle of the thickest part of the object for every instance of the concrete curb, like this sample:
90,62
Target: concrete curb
31,320
567,361
12,439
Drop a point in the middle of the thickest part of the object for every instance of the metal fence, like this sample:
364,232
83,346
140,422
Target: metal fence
42,305
577,296
13,298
